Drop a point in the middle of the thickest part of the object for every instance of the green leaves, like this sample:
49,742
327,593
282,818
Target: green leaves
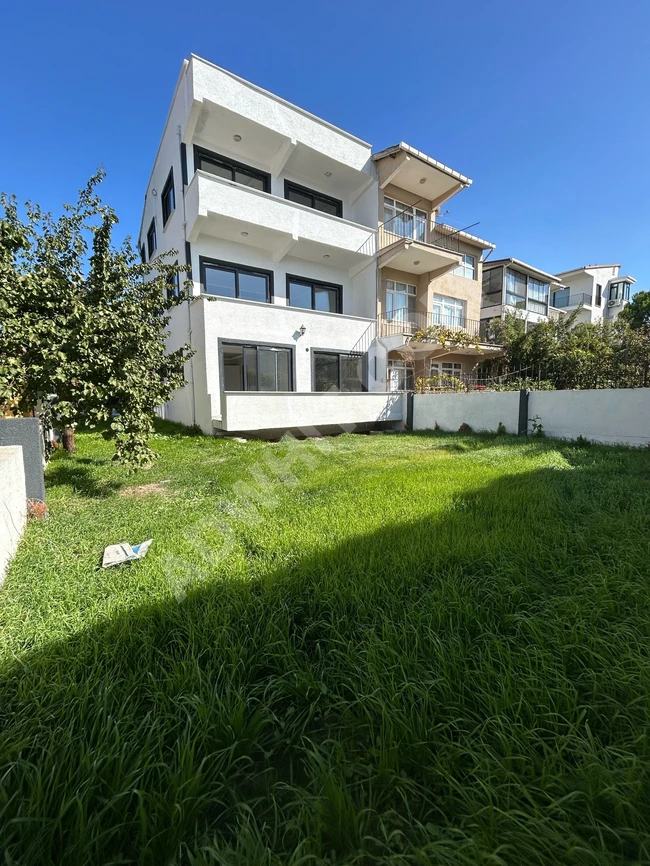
90,330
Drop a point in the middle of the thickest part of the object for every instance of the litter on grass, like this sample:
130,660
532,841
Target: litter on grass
116,554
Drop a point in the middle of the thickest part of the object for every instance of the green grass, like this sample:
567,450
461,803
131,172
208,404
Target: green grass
414,649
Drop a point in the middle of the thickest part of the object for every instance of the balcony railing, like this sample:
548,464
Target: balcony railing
559,300
406,227
406,323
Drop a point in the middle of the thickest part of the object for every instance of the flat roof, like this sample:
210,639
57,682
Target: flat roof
493,263
413,151
589,268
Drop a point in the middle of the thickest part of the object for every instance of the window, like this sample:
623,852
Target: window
168,197
560,298
619,291
467,268
256,368
599,295
538,296
173,285
400,376
492,287
449,312
143,254
229,280
337,371
516,289
311,198
223,166
400,301
405,220
151,238
446,368
314,295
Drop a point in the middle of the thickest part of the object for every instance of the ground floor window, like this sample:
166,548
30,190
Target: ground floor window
256,368
400,376
445,368
337,371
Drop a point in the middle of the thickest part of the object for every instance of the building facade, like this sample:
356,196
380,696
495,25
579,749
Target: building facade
513,287
597,292
312,261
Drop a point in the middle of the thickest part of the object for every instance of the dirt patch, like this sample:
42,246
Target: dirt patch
156,488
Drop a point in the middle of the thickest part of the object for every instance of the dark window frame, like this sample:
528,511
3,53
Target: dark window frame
204,262
599,295
143,254
339,354
167,188
290,185
308,281
257,345
225,161
173,284
152,245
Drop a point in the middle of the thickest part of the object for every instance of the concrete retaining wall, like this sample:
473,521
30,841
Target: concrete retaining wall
481,410
27,433
13,503
609,415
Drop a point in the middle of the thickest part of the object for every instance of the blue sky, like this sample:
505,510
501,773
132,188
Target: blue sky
545,105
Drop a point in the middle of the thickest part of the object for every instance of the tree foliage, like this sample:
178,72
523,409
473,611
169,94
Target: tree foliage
637,312
85,321
570,355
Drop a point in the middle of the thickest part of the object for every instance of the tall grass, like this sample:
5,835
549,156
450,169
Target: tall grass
432,650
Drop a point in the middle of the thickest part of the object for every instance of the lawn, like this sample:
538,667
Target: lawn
423,649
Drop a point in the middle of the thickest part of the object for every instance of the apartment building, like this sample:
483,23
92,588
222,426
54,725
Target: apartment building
597,292
513,287
313,262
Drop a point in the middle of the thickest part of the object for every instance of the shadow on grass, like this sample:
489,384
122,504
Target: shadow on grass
463,690
77,473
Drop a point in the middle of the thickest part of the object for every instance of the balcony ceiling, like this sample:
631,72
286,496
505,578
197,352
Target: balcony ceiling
417,258
309,168
422,177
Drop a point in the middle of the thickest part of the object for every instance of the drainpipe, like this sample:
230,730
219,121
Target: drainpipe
189,301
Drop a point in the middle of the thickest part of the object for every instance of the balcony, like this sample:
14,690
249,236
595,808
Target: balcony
402,325
561,300
415,246
234,212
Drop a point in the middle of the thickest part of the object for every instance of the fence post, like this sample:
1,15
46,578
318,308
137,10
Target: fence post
522,428
409,410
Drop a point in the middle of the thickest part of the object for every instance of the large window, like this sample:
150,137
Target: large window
336,371
449,312
256,368
230,280
467,268
152,244
311,198
620,291
405,220
400,301
599,295
516,289
314,295
168,197
173,284
223,166
492,287
538,296
446,371
400,376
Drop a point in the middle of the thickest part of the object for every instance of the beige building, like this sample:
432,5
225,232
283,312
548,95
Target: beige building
428,273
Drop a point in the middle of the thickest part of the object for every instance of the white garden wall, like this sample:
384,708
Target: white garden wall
615,416
481,410
13,503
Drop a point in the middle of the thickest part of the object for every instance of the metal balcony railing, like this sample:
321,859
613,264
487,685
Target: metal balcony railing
407,323
406,225
560,300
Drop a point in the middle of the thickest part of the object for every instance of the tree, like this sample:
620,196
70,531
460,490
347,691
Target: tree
92,332
637,312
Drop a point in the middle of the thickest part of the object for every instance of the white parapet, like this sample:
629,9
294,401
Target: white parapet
13,503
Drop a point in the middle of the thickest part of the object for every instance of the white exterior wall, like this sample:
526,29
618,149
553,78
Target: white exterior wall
614,416
481,411
13,503
275,411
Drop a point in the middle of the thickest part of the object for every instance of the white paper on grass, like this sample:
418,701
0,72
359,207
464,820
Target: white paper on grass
116,554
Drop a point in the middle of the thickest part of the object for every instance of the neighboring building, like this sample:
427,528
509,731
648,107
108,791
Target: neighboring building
512,286
312,261
599,290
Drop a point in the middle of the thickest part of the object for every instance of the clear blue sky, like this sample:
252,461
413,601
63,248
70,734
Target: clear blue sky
545,105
